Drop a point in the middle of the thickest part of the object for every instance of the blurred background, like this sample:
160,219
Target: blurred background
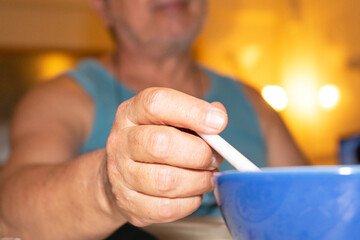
303,55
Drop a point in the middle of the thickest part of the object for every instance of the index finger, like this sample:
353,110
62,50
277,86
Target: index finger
164,106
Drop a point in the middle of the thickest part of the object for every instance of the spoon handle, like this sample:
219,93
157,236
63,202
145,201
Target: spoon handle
227,151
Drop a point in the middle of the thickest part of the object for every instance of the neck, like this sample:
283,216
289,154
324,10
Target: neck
138,71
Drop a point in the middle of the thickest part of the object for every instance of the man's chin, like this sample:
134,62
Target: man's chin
179,36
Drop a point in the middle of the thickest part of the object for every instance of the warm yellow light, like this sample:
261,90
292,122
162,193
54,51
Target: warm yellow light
275,96
328,96
301,86
53,64
249,56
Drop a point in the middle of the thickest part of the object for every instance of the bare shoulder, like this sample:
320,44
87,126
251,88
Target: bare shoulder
55,114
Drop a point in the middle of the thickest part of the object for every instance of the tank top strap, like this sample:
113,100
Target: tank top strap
106,95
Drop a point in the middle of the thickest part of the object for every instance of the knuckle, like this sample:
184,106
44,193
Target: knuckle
113,138
158,145
165,210
165,181
152,100
122,108
111,142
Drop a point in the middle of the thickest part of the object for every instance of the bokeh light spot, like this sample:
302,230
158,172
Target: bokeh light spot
275,96
328,96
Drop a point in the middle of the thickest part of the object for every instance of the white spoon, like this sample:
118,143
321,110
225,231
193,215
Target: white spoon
233,156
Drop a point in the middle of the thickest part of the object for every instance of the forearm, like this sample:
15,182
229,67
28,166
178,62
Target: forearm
58,201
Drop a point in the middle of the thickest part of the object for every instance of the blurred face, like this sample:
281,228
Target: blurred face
156,25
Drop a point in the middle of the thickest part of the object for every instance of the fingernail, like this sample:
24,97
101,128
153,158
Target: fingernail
215,119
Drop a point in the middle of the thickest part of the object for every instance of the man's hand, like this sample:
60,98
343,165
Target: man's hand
158,173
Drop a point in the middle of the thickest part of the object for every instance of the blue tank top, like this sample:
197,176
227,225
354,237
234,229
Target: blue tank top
243,130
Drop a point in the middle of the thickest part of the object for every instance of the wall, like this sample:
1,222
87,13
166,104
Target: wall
51,24
300,45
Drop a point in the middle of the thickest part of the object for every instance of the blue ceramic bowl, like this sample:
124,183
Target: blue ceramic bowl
295,203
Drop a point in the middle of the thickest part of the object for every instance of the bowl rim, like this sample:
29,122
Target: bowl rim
327,169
